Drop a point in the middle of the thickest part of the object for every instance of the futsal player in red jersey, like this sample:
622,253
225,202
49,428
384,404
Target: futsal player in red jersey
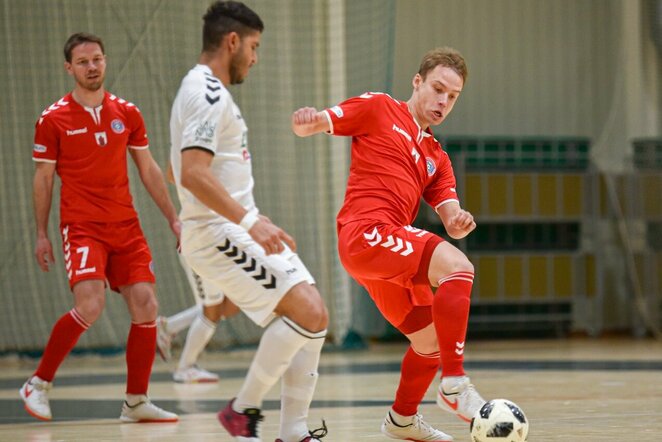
395,161
84,138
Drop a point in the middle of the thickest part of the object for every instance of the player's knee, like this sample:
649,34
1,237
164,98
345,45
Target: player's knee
320,313
461,264
214,313
145,305
90,309
304,305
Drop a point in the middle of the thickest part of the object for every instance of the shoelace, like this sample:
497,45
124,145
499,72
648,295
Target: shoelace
471,395
319,433
420,424
254,418
43,388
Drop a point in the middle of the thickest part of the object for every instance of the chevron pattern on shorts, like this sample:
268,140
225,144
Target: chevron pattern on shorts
393,243
257,272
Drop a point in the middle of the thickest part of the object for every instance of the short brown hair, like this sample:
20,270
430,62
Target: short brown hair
80,38
444,56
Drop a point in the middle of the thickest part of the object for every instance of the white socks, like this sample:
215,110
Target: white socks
197,338
183,319
298,387
279,344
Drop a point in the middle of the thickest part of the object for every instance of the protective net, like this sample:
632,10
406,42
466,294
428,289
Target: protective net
312,53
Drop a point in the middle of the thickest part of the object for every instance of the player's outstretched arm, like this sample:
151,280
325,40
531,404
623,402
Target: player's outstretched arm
309,121
457,221
42,195
152,178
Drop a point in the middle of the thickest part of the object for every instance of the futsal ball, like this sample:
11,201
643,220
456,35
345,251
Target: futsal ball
499,420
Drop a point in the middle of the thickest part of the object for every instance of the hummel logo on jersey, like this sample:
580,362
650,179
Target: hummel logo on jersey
213,86
77,131
394,244
402,132
459,348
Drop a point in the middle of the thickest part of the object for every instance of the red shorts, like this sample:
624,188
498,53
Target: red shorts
117,252
392,264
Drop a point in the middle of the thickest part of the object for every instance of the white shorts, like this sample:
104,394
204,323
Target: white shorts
226,255
204,291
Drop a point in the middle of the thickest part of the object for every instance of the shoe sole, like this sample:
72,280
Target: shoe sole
414,440
128,420
197,381
30,411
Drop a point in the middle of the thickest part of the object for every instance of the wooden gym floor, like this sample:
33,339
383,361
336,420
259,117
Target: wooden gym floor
571,390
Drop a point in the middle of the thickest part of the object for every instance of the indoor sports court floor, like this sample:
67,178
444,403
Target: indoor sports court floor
571,390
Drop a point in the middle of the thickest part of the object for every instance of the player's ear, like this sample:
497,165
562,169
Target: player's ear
68,68
416,82
233,41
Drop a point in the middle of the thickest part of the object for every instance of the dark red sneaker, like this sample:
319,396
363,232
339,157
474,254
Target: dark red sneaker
315,435
245,424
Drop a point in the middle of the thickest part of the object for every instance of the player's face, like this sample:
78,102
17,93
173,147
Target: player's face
88,66
244,58
436,95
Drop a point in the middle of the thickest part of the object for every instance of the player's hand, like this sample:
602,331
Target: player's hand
176,227
44,253
462,221
305,115
307,121
271,237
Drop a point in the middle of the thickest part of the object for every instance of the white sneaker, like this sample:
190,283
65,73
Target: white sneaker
163,338
35,395
457,395
418,430
146,411
194,375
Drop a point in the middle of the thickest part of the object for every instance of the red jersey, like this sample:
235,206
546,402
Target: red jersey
394,162
89,147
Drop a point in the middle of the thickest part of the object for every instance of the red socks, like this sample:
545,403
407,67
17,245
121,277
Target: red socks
64,336
416,374
140,352
450,310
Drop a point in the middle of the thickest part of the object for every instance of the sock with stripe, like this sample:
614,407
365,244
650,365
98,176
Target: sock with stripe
278,345
64,336
450,310
416,374
298,385
140,352
197,338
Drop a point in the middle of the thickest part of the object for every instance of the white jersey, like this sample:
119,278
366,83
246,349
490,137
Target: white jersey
205,116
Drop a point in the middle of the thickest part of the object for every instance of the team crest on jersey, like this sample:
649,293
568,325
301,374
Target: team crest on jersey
205,132
117,126
431,167
101,138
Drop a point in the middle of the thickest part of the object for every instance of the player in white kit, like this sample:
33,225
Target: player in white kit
226,241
